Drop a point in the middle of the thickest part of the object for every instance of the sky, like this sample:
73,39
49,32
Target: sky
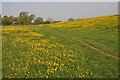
61,10
60,0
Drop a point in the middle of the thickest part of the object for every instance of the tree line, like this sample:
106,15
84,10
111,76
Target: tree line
25,19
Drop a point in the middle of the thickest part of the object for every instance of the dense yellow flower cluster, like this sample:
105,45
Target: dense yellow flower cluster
90,23
30,34
16,29
25,31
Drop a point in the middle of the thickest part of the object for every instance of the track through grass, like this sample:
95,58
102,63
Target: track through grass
97,49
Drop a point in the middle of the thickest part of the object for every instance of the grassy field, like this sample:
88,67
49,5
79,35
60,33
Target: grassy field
57,51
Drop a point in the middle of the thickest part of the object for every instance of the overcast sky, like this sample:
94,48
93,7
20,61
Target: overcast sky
59,0
61,10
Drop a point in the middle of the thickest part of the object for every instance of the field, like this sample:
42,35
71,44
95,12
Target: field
85,48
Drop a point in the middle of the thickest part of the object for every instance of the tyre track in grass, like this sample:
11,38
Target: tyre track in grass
95,48
78,39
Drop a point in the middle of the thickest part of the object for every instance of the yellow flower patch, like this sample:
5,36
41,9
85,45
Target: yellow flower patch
90,23
16,29
31,34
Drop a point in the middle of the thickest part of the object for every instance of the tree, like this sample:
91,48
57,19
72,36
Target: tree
39,20
49,20
11,20
23,14
24,18
5,20
17,21
0,19
70,19
32,17
8,20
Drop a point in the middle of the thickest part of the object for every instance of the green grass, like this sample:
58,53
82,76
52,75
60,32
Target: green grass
106,40
0,54
61,56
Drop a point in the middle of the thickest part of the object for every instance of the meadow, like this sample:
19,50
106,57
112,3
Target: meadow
83,48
